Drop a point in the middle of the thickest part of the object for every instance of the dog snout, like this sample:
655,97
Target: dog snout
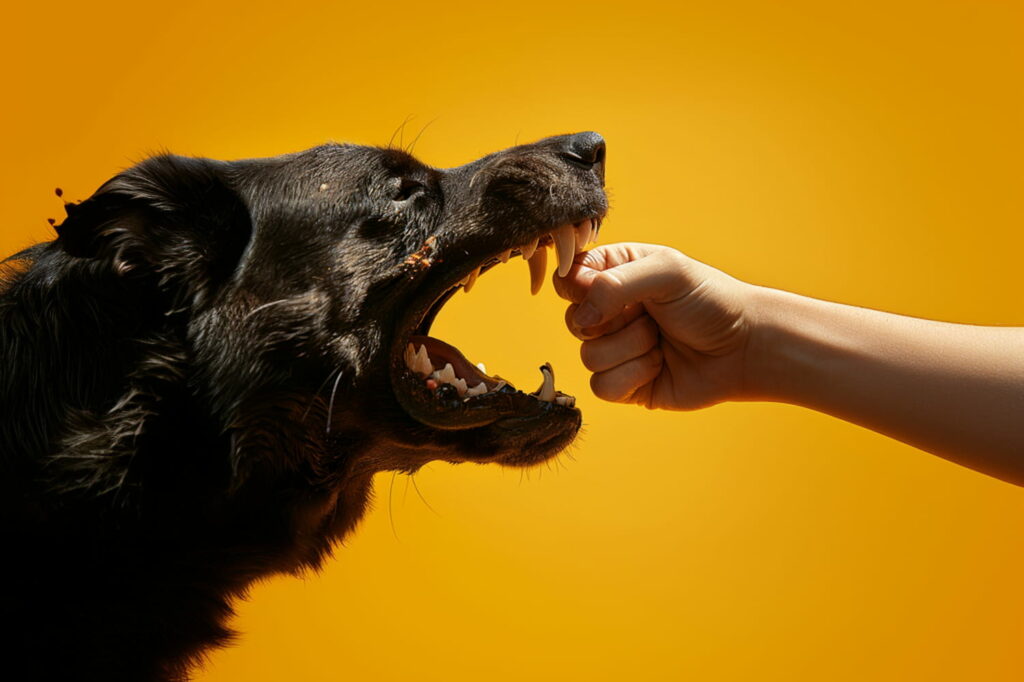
586,150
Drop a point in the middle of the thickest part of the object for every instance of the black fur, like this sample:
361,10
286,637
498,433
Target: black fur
196,384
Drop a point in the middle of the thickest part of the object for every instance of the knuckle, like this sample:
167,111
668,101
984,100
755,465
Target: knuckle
569,312
648,333
587,355
676,258
606,283
603,389
653,358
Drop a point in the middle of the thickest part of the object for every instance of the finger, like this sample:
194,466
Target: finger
574,286
612,350
611,255
660,277
629,313
573,329
613,325
619,384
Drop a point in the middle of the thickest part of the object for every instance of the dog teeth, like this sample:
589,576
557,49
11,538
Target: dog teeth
582,233
470,280
418,362
538,270
567,240
546,392
528,249
447,375
421,362
565,247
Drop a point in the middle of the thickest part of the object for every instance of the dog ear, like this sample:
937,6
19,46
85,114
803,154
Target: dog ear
175,216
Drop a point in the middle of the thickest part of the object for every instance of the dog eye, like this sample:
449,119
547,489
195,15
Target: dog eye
407,189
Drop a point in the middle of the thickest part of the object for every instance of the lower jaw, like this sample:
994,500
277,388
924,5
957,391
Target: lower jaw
536,447
517,441
508,427
444,409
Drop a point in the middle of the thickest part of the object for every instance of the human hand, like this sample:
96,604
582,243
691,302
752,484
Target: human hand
659,329
663,330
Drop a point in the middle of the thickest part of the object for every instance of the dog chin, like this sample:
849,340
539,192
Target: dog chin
520,441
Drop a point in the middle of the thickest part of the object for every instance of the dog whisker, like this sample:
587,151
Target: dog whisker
412,477
412,145
330,405
391,513
398,131
312,401
265,305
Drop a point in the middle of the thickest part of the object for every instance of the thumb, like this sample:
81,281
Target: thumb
647,279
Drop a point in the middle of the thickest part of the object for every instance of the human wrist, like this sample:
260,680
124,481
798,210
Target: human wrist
772,356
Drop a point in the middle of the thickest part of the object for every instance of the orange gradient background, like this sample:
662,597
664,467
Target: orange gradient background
870,153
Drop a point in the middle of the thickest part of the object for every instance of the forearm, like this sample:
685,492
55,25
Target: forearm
953,390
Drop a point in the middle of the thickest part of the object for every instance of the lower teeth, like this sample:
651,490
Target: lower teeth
418,361
546,392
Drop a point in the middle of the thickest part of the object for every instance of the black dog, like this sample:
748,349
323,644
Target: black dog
202,373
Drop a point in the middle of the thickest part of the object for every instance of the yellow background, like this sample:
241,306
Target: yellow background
864,152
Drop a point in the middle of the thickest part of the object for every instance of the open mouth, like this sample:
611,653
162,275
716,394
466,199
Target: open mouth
440,387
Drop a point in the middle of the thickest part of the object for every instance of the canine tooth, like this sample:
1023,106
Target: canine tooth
565,400
410,357
422,362
582,235
447,375
505,255
546,392
501,384
528,249
470,280
460,386
565,246
538,270
480,366
479,389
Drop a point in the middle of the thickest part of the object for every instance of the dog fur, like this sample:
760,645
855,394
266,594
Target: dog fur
195,390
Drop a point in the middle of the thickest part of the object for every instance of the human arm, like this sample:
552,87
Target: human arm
673,333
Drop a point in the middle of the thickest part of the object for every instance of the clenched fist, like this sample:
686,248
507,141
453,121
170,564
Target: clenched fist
658,328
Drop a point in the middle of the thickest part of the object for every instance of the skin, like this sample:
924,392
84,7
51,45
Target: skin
662,330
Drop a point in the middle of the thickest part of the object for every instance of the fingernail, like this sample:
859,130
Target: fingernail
587,315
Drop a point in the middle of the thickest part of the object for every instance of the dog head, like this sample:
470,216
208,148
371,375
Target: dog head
306,284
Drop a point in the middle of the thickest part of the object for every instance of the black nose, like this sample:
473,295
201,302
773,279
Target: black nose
585,148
